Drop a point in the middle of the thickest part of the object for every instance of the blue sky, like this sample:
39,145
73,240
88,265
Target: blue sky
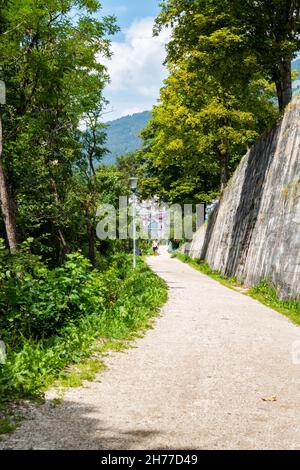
127,11
136,68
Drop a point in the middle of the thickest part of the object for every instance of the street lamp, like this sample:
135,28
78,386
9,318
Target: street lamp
133,182
2,93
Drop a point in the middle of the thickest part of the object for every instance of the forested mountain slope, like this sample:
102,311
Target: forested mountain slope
123,135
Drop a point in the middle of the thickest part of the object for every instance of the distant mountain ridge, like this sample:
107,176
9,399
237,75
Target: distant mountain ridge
123,135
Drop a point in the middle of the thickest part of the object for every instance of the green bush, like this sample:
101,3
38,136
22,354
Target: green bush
51,318
36,303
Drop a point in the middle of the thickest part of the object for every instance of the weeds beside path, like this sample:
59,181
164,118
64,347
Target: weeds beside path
75,354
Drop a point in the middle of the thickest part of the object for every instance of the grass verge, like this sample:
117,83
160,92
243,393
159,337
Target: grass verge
204,268
77,353
265,292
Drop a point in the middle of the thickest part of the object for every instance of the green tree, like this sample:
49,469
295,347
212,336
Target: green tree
201,129
129,164
271,28
92,141
217,100
242,36
49,58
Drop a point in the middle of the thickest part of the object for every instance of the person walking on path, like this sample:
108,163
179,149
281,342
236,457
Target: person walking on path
155,247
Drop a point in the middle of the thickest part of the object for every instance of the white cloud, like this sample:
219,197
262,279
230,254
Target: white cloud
136,69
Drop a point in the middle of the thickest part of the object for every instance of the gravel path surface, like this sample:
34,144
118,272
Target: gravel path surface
197,381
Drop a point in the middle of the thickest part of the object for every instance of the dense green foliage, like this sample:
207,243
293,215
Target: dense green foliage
55,317
52,131
243,37
37,302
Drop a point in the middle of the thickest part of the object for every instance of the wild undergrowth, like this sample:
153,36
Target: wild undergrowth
51,319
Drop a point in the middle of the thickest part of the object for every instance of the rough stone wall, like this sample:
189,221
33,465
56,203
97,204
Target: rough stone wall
254,233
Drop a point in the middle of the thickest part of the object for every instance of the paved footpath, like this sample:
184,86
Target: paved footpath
196,381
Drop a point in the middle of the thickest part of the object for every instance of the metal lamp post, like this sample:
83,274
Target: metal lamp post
133,182
2,93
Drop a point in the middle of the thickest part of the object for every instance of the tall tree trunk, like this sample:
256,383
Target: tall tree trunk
61,236
91,163
91,239
224,174
90,229
284,85
6,204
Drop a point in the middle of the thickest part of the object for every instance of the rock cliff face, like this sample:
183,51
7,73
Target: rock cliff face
254,233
